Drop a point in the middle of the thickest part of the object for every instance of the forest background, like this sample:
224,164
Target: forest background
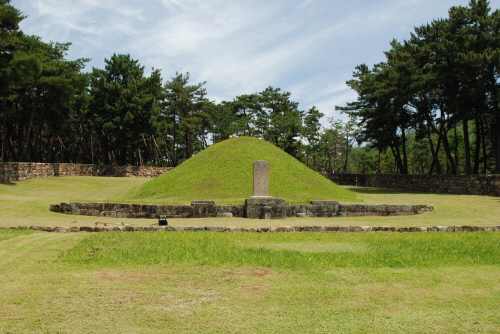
431,108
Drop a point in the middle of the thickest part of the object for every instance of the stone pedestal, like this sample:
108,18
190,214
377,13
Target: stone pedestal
265,208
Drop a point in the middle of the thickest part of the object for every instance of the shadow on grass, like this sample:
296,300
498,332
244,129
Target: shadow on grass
8,184
388,191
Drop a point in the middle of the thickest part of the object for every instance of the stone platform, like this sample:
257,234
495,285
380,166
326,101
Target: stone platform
274,208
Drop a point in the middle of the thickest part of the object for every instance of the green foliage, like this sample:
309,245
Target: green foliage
223,172
187,114
433,105
435,85
123,112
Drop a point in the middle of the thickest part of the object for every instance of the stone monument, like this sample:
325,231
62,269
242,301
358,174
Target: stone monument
261,205
261,179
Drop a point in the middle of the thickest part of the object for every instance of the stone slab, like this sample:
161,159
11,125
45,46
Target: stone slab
202,202
261,178
325,202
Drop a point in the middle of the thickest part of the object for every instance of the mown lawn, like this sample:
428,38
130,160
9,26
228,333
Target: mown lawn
208,282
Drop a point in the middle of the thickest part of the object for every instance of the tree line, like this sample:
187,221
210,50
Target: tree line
431,107
53,112
437,92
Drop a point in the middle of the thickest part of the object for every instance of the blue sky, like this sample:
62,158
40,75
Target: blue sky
306,47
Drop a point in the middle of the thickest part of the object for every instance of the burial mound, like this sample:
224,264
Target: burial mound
223,173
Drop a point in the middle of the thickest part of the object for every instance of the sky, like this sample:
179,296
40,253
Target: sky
309,48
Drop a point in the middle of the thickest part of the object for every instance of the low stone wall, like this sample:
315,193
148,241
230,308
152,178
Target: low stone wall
443,184
196,210
16,171
345,229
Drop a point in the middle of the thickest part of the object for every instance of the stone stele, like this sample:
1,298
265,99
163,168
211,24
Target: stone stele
261,205
261,179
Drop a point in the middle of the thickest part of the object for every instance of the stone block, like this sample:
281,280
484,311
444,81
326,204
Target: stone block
477,228
433,229
301,215
216,228
356,229
86,229
62,229
225,215
296,228
265,208
344,228
199,228
284,229
48,229
366,228
251,229
318,228
450,229
75,229
231,229
331,228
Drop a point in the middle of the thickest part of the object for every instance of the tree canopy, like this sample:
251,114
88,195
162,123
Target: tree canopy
433,106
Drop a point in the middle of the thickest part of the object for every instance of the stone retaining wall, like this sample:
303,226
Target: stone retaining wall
447,184
16,171
345,229
196,210
443,184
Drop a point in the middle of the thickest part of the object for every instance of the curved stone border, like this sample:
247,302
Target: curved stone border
208,209
345,229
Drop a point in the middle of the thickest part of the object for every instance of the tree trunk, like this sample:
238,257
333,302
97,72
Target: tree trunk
28,130
468,168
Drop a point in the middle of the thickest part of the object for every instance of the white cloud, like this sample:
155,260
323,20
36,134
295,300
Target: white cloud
307,47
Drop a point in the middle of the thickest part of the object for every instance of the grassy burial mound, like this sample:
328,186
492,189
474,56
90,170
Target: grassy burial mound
224,173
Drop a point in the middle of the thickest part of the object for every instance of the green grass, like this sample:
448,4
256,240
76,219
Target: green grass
9,233
223,172
324,251
273,283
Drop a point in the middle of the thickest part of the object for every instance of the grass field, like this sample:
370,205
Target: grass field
208,282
